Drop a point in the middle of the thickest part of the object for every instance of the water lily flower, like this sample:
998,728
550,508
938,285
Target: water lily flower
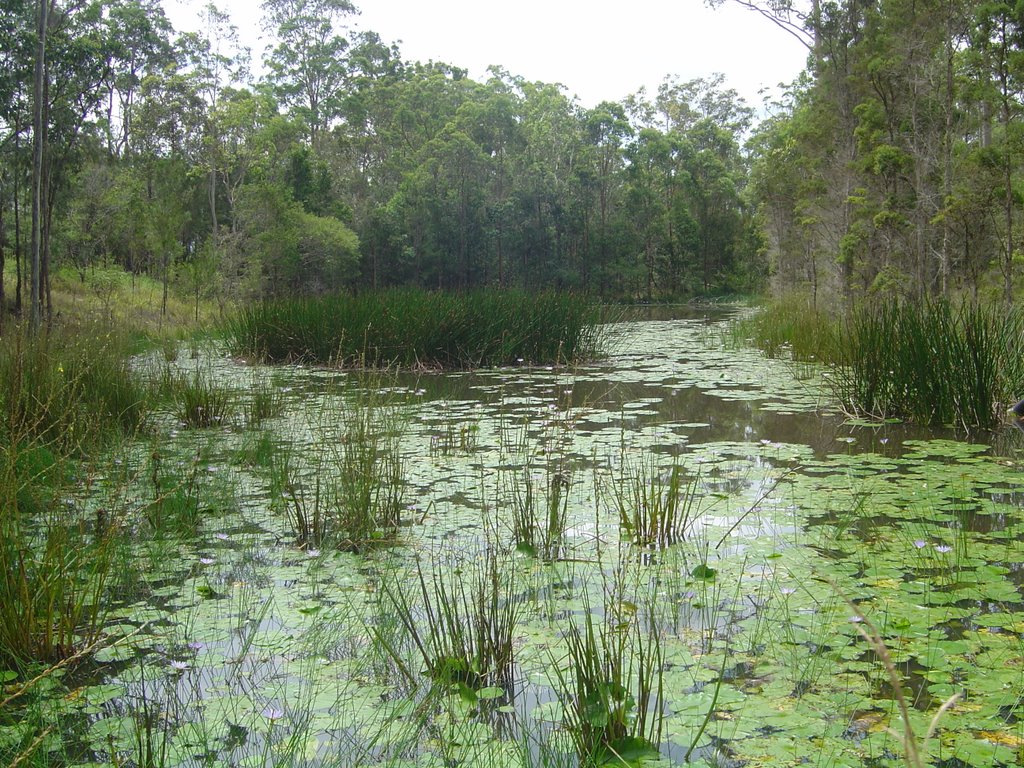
943,548
207,560
178,665
272,713
788,590
312,553
920,543
222,536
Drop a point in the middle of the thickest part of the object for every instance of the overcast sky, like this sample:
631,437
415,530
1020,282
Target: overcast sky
597,49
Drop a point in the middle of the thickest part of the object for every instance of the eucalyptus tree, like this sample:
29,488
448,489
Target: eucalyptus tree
68,74
996,59
308,65
607,131
140,46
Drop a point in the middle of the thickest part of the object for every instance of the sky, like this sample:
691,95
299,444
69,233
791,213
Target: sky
599,50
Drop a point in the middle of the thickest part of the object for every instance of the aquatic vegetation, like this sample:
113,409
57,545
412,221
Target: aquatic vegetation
724,640
790,327
611,684
200,402
462,622
349,493
416,329
932,363
262,401
54,567
657,507
68,390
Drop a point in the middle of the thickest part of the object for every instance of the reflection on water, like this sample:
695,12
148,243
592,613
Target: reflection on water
258,647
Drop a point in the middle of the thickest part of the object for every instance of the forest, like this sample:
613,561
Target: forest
891,166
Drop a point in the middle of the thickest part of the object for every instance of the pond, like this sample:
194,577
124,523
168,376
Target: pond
684,541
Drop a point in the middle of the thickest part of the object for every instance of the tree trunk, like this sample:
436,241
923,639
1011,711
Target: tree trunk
38,144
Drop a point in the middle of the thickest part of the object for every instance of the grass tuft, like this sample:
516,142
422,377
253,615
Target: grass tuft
415,329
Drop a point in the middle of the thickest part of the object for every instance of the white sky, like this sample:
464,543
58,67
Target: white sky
598,49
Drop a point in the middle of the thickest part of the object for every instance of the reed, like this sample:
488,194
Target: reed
462,621
54,568
791,326
68,390
540,506
611,686
200,403
413,328
933,363
347,490
656,507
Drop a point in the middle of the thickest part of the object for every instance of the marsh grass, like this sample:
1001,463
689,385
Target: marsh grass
177,496
416,329
539,508
60,398
611,684
54,568
791,326
657,507
264,401
347,490
200,403
462,622
933,363
68,391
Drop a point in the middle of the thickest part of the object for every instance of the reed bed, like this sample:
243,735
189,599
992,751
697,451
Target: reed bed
68,390
935,363
932,363
62,394
419,329
791,326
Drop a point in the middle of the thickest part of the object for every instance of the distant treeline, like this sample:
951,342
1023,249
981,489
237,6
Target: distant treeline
349,167
892,166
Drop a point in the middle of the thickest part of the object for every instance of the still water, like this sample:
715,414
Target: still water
821,570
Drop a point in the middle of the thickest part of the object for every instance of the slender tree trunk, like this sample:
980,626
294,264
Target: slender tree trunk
3,297
38,143
18,255
947,155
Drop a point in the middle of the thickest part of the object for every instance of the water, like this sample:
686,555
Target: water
805,529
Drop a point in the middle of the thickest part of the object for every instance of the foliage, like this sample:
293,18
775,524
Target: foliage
349,493
657,507
415,329
465,637
932,363
790,325
200,402
611,686
66,390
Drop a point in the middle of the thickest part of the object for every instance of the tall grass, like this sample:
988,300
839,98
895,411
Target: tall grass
68,390
932,363
656,507
350,493
790,326
612,687
462,621
61,394
411,328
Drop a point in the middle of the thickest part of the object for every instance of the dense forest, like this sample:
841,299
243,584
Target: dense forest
891,166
